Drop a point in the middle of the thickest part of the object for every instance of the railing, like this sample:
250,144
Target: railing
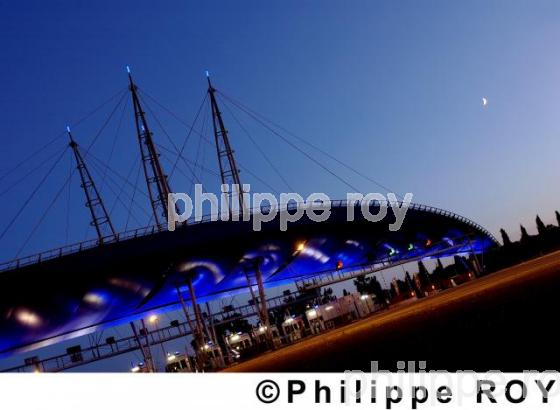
332,276
150,230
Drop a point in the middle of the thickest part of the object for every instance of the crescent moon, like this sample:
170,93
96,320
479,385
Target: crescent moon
484,102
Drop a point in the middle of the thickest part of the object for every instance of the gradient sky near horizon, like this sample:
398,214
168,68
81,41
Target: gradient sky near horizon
393,88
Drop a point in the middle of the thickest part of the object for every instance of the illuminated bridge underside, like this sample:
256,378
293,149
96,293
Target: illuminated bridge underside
60,298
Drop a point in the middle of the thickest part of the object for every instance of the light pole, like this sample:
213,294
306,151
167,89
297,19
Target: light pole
154,320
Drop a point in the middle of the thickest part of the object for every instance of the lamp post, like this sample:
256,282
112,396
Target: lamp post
154,320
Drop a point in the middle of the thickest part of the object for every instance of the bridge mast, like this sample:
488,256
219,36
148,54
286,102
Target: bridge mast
99,216
156,180
228,168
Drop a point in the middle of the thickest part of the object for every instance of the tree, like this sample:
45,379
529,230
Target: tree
557,218
505,238
422,271
327,296
541,228
524,234
412,285
362,284
370,285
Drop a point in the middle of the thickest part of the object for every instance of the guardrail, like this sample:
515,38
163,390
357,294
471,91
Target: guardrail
150,230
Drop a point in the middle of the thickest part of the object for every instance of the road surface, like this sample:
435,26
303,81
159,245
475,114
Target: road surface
504,321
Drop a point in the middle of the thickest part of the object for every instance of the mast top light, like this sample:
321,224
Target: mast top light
68,128
128,69
207,73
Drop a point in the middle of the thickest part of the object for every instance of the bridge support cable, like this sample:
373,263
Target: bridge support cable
118,198
132,197
29,173
45,213
191,176
298,149
177,152
191,129
259,149
268,124
121,190
262,181
32,195
59,136
113,145
178,118
191,170
201,149
68,201
189,126
126,180
102,167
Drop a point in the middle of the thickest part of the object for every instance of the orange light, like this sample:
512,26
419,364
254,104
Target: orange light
339,264
300,246
428,242
153,319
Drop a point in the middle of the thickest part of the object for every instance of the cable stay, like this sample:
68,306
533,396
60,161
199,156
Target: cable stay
187,162
132,198
99,217
32,195
177,152
105,167
114,144
261,151
45,213
59,136
113,186
29,173
202,138
100,167
262,120
201,149
178,118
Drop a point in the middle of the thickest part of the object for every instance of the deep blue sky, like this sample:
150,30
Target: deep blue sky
394,88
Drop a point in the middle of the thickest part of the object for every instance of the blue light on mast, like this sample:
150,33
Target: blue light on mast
128,69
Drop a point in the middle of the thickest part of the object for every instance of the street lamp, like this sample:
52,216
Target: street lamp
154,320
